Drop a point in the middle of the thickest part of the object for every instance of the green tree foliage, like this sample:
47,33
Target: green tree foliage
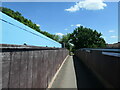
65,41
18,16
86,38
57,38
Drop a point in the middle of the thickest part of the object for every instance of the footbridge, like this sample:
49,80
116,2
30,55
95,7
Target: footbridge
30,60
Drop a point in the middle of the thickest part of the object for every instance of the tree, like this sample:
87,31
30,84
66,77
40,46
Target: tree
65,41
86,38
17,13
57,38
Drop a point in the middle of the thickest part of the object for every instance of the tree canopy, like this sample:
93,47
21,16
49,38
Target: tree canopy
65,41
86,38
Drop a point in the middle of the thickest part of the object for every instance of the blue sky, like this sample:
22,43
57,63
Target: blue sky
60,18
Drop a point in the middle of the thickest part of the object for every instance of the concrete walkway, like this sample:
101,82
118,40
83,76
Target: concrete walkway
66,77
74,74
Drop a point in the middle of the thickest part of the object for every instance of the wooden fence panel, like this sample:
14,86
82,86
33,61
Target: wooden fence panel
106,67
30,68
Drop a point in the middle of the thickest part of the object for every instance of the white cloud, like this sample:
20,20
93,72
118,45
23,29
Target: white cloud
60,34
73,8
111,31
88,5
71,25
66,29
113,36
78,25
38,25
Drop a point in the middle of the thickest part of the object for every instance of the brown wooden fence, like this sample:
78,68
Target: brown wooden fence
106,67
30,67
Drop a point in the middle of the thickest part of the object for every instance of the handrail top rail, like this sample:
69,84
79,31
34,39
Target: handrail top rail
101,50
11,47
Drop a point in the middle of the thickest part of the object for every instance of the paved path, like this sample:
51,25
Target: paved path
74,74
66,77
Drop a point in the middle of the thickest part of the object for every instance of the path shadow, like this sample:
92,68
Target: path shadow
85,78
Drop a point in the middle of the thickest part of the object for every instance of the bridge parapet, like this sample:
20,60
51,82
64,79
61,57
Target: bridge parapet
104,63
30,66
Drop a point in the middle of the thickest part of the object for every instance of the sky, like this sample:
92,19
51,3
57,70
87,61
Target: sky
63,17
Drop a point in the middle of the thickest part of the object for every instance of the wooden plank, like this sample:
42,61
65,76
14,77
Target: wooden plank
34,79
15,70
39,70
5,69
29,71
23,69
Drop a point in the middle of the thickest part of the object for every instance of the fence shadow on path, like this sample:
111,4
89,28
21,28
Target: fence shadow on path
85,77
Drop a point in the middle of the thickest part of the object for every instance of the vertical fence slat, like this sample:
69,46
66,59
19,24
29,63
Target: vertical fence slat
15,70
29,70
5,68
23,70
